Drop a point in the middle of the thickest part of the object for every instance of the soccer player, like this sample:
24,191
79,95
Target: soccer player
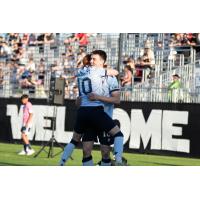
26,125
91,113
110,97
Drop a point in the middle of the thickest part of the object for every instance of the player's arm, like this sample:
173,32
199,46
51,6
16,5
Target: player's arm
114,98
106,72
29,119
111,72
30,110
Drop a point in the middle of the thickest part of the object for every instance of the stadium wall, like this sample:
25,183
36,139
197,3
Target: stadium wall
154,128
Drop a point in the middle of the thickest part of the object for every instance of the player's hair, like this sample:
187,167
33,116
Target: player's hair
24,96
87,59
101,53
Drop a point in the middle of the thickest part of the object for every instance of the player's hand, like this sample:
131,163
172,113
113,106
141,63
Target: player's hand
93,96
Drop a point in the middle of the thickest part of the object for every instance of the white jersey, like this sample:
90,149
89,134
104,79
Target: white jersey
90,80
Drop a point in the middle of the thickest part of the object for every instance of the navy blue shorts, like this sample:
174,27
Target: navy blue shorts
103,137
93,118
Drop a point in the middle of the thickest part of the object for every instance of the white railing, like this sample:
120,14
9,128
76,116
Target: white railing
161,95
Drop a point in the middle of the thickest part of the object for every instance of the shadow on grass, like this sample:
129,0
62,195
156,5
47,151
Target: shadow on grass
159,164
11,164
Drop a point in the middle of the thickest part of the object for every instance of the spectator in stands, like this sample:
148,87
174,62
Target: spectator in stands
13,38
1,39
25,39
82,38
15,48
139,66
30,65
126,80
159,46
69,39
28,81
178,39
176,84
148,58
40,39
5,51
57,69
32,40
131,62
48,38
195,40
41,71
147,62
70,58
21,56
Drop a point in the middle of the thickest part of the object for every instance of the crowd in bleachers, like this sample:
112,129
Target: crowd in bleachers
30,57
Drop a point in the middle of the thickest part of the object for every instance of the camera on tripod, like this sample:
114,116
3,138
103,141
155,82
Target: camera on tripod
56,97
56,91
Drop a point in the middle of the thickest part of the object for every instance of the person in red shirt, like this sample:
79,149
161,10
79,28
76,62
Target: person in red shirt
82,38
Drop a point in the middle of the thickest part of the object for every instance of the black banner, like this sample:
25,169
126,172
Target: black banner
159,128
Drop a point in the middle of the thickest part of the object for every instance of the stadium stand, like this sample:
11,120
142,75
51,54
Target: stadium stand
27,61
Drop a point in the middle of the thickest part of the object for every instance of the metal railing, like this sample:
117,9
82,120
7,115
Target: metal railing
161,95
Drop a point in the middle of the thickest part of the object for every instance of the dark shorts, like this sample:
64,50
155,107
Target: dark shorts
103,137
90,135
93,118
106,139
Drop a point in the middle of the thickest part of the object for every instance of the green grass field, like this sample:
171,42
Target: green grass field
9,157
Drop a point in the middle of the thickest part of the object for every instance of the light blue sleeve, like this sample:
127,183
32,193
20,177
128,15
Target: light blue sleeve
113,84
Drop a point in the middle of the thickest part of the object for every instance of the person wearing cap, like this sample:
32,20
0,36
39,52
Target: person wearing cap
176,84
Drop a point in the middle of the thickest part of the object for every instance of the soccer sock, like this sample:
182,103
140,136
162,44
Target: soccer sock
27,146
68,151
106,162
118,146
88,161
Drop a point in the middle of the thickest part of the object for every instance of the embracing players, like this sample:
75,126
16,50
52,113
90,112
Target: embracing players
91,115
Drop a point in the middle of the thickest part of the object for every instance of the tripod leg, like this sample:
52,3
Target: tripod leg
58,144
61,148
50,148
41,150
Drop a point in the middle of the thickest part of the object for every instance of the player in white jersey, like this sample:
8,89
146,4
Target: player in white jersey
110,96
91,113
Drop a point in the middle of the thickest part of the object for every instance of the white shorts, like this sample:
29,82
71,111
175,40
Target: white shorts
25,130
